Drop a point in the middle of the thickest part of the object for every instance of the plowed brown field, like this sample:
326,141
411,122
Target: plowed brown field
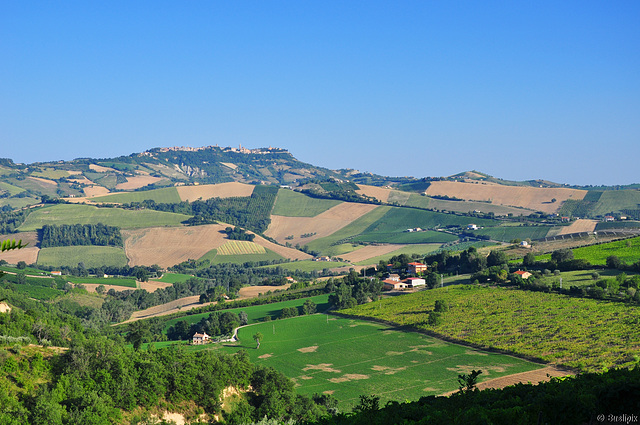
323,224
535,198
207,191
29,254
95,191
380,193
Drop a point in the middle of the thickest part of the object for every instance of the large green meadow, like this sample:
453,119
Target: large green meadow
86,214
348,358
422,249
293,204
168,195
583,333
91,256
628,251
308,265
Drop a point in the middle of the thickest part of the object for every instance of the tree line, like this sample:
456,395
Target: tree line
80,234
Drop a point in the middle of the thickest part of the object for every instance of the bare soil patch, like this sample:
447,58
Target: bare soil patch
80,179
349,377
535,198
323,367
137,182
370,251
29,255
254,291
578,226
534,376
150,245
91,287
4,308
290,253
380,193
182,304
230,165
207,191
311,349
153,285
265,356
322,225
92,191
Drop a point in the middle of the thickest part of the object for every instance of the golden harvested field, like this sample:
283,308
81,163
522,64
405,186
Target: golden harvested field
100,168
137,182
581,225
290,253
29,254
81,180
380,193
230,165
370,251
323,224
207,191
167,246
254,291
535,198
150,286
92,191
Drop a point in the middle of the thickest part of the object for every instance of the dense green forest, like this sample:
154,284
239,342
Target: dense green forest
80,234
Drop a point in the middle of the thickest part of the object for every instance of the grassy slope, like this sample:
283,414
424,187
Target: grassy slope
597,254
422,249
508,233
356,227
308,265
577,332
13,190
352,357
91,256
400,237
106,281
164,195
85,214
293,204
614,200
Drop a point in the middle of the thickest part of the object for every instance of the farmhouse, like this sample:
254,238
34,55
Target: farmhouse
394,277
322,258
524,275
389,285
290,279
609,218
415,268
200,338
472,227
56,273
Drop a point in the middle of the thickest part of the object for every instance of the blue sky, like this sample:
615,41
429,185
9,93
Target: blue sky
519,90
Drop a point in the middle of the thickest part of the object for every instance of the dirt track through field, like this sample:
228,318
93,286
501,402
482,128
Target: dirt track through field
207,191
535,198
322,225
534,376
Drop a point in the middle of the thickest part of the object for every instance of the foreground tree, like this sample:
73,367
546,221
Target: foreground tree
258,337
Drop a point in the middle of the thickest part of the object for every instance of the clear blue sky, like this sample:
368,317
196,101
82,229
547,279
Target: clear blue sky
519,90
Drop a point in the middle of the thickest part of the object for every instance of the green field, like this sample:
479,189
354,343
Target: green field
16,203
582,277
50,173
578,332
294,204
422,249
91,256
627,250
611,225
167,195
349,358
11,189
257,313
174,277
615,200
308,265
328,245
216,258
35,186
86,214
398,219
38,292
509,233
402,237
106,281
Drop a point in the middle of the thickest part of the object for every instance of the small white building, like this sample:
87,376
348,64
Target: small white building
472,227
414,282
